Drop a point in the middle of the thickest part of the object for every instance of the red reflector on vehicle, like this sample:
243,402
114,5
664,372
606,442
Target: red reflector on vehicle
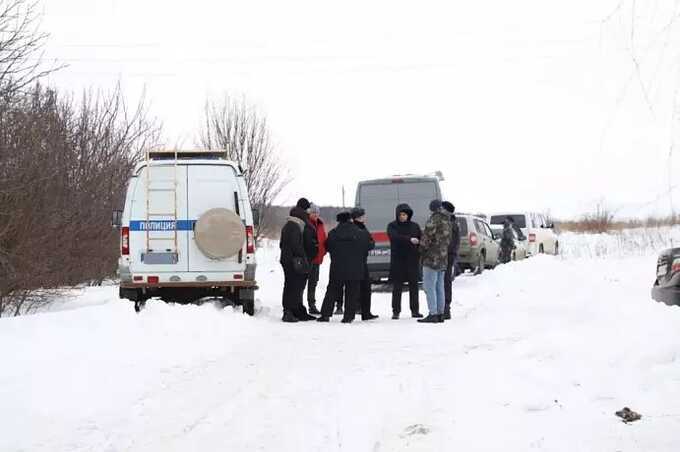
152,279
238,276
532,238
138,278
380,236
473,239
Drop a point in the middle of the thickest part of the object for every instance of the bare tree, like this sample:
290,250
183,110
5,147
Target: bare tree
63,168
21,46
244,134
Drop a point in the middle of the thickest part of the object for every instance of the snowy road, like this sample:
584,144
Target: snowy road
539,356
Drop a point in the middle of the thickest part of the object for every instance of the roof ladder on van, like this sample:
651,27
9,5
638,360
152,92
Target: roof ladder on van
155,215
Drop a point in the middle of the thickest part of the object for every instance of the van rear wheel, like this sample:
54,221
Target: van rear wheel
247,300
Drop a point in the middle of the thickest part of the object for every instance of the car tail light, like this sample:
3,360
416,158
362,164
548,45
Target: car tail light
532,238
473,239
676,265
250,240
125,241
238,276
152,279
138,278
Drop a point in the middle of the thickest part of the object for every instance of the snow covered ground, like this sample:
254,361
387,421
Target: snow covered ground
539,356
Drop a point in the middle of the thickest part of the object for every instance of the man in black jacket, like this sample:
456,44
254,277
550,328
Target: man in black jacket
404,237
454,246
347,247
310,239
359,218
295,265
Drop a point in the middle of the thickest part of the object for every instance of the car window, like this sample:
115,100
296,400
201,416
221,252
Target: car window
462,226
480,228
488,230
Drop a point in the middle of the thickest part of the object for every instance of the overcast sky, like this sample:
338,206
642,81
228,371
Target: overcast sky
542,105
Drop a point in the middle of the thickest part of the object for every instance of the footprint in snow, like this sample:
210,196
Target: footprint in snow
415,429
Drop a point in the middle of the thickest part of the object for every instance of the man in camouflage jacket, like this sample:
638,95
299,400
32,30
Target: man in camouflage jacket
434,252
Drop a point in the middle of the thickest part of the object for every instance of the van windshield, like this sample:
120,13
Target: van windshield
520,220
381,199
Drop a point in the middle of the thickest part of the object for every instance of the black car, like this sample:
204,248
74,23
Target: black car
667,285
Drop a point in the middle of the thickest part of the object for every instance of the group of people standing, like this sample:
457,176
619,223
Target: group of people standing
305,242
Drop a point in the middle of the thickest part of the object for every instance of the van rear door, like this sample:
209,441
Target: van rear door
209,187
166,220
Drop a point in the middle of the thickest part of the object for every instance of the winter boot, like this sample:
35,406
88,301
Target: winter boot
447,314
395,316
441,318
288,317
369,316
347,319
432,318
312,308
417,315
304,317
323,319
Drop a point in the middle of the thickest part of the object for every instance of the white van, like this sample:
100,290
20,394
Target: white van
186,231
380,197
536,227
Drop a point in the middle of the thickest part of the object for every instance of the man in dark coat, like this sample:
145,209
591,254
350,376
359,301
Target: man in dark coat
310,239
292,251
359,218
454,246
507,241
347,247
404,237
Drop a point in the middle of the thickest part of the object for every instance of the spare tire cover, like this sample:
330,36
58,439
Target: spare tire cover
219,233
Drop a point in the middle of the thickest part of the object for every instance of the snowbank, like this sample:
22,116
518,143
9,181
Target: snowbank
629,242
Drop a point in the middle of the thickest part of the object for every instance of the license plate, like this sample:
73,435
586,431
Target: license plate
379,252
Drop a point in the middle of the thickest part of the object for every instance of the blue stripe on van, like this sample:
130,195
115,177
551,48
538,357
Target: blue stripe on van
162,225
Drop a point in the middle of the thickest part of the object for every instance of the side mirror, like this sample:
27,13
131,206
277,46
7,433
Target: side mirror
117,219
256,217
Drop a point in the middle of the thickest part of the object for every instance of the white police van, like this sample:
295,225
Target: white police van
186,231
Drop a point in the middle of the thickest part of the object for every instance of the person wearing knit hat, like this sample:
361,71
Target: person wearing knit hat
434,247
348,248
450,274
359,218
313,280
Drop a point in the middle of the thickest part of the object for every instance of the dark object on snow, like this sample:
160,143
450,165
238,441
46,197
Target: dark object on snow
628,415
404,258
666,287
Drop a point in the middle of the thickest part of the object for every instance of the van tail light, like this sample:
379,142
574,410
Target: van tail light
250,240
676,265
532,238
152,279
125,241
473,239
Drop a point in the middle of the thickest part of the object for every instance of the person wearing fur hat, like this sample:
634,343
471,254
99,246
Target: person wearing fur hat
450,274
359,219
348,248
434,250
318,225
404,237
295,265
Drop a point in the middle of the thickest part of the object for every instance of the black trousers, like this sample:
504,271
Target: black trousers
398,288
312,282
449,276
365,297
293,289
334,293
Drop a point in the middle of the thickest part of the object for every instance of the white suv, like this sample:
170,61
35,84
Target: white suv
538,229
